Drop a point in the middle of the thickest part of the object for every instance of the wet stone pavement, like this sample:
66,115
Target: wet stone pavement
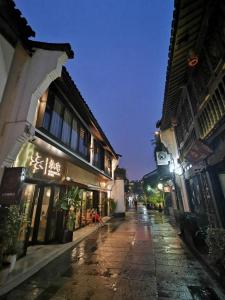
139,257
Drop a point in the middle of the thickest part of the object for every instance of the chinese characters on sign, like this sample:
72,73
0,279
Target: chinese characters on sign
47,166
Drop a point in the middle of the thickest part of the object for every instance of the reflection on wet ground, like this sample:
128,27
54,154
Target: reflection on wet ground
139,257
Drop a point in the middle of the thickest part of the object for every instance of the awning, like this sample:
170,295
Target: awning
75,183
97,188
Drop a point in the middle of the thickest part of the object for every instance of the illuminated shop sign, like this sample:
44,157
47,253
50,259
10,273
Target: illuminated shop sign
39,164
46,166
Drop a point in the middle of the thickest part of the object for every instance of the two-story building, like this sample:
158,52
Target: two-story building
50,140
194,103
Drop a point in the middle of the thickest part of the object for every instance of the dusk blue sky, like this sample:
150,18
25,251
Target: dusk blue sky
121,52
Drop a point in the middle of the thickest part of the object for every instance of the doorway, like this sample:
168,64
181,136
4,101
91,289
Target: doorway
44,214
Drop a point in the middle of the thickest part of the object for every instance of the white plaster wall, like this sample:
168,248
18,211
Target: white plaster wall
115,163
6,56
118,195
169,140
180,182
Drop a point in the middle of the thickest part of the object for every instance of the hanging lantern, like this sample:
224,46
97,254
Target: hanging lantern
192,59
174,121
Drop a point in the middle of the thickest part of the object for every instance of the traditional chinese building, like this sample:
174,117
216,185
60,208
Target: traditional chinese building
194,104
58,144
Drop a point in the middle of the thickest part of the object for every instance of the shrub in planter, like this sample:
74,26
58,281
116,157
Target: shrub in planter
112,205
10,236
188,226
70,202
193,227
216,243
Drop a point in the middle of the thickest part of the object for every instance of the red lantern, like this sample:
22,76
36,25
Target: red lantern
192,59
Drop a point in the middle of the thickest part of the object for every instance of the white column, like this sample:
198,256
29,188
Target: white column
118,196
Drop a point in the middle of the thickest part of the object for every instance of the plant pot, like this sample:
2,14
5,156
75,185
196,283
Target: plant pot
67,236
11,260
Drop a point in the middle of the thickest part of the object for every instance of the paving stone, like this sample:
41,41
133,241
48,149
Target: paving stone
139,257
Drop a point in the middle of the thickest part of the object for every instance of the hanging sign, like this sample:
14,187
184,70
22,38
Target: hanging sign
163,158
198,152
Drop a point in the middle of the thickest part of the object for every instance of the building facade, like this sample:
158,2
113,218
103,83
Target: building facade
50,139
28,68
194,104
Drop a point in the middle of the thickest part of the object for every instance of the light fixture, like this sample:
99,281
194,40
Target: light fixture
48,193
178,170
160,186
192,59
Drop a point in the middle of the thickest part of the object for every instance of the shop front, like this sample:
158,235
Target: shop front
38,181
201,197
37,194
95,192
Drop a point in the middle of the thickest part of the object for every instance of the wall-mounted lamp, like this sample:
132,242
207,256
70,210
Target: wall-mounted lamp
160,186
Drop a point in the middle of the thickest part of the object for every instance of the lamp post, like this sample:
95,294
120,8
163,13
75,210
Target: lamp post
175,170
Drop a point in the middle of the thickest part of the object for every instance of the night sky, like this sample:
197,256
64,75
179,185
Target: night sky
121,51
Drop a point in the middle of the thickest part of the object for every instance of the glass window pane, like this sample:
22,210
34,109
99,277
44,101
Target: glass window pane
66,129
44,214
53,220
48,111
74,135
81,143
34,214
84,142
47,119
56,123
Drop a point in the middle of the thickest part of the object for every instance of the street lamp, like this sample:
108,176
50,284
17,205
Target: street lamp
175,167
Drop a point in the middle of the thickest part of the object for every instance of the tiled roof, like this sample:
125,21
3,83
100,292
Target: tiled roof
53,46
186,32
12,24
14,27
84,109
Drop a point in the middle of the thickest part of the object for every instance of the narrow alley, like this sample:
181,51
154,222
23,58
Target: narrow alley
139,257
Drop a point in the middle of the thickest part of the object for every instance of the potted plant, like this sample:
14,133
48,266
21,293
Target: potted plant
216,244
70,202
112,205
10,238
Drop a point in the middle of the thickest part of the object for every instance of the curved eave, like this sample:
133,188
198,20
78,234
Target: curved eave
13,26
66,47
